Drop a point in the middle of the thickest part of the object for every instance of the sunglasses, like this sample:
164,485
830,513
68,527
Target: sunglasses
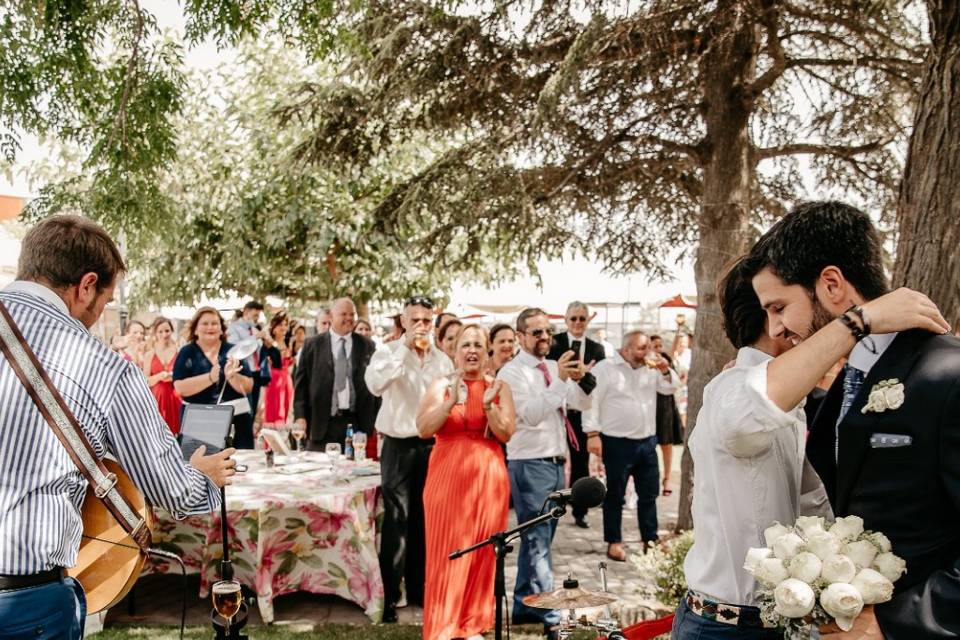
419,301
577,318
536,333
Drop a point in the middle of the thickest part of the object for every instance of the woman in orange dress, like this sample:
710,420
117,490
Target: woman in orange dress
467,492
158,367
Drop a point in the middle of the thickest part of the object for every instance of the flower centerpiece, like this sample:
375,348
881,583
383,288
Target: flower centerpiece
813,573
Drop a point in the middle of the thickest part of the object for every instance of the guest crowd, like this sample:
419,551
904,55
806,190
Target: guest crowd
463,420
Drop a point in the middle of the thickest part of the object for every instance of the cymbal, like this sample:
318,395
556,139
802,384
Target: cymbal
243,349
575,598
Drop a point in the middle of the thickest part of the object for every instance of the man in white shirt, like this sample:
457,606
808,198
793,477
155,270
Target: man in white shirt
542,391
400,372
621,427
748,445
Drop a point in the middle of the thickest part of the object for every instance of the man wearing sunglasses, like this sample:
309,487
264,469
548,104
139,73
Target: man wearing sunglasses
400,373
543,390
587,351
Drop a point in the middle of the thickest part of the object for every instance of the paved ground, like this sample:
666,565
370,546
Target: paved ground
577,551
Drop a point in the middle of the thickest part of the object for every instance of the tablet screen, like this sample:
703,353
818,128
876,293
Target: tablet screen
205,424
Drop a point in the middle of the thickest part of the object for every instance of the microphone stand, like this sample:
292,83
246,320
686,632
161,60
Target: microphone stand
501,547
222,630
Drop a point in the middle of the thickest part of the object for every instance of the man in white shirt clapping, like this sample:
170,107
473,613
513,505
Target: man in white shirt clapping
621,427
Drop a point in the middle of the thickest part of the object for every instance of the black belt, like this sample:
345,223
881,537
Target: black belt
31,580
347,414
554,460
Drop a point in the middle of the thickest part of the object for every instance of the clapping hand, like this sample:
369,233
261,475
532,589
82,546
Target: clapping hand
492,394
233,368
453,394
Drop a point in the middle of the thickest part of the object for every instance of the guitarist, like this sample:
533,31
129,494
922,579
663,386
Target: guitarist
67,273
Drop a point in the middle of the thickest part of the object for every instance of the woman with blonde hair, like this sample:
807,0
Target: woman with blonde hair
467,491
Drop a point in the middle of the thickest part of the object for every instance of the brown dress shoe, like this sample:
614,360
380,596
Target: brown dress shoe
616,552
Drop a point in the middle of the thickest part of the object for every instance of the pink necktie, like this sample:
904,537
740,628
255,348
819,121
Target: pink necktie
571,436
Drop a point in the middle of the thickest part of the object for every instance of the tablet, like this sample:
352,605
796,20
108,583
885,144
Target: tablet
204,424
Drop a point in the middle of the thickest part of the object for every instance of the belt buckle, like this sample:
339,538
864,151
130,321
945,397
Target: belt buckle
102,490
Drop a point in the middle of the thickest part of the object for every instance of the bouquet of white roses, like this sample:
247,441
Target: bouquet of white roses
812,573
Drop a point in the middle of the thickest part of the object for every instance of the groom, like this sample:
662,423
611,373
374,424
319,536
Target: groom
897,467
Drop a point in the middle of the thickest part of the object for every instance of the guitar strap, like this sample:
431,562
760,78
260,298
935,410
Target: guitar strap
65,426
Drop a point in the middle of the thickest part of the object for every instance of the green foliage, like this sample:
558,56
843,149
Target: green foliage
666,566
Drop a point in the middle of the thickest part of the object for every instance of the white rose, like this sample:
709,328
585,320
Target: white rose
881,541
754,556
787,546
876,401
808,525
873,586
848,528
893,396
805,566
844,603
773,532
794,598
824,544
891,566
771,572
862,552
838,568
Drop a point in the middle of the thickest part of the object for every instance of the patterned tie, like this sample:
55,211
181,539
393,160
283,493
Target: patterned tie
852,381
340,371
571,436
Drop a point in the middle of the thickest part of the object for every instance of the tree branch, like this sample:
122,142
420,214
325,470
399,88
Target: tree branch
846,152
774,50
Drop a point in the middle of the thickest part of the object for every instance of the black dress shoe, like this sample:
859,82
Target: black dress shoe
583,524
389,615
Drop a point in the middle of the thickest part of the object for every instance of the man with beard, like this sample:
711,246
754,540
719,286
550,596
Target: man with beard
886,440
748,449
542,391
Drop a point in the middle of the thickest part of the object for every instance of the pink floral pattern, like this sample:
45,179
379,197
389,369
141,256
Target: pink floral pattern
302,532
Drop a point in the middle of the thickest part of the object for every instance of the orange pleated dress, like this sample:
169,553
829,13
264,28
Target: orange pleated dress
465,500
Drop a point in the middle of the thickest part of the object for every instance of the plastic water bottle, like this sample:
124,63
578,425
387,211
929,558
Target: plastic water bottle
359,446
348,443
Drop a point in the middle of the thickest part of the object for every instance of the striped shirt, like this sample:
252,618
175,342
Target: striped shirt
41,490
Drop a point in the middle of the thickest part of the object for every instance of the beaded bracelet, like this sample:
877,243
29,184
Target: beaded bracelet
857,332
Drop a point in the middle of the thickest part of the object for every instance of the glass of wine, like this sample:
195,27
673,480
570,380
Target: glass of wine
227,599
299,432
422,342
332,450
652,359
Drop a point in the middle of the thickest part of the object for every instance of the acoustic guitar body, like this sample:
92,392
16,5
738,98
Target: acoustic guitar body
109,561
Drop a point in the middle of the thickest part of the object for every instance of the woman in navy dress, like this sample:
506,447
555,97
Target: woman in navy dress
202,370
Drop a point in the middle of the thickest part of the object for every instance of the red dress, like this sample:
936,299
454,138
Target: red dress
167,399
279,393
465,500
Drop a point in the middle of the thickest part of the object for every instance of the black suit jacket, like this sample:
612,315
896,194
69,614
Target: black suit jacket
593,352
910,493
313,384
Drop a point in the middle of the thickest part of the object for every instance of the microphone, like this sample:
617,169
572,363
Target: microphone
585,493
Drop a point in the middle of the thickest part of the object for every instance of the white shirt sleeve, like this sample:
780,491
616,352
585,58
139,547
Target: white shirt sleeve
385,366
591,417
668,386
745,416
533,405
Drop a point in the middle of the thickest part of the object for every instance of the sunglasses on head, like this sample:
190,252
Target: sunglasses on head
419,301
578,318
536,333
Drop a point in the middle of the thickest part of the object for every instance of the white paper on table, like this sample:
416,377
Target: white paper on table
277,440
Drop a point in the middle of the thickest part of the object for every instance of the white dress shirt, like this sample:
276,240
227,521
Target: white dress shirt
541,432
862,358
401,378
748,454
343,401
624,403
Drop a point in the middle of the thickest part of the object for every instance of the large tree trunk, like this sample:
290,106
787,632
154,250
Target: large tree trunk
928,257
724,214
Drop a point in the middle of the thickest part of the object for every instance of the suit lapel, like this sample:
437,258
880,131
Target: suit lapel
325,357
822,439
855,429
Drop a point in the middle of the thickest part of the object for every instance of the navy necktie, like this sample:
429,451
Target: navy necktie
852,381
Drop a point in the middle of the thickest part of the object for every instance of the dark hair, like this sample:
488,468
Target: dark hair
656,337
133,322
744,320
62,249
195,320
253,304
816,235
364,321
276,321
438,321
497,328
525,315
159,320
446,326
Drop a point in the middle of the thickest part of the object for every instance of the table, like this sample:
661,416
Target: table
288,532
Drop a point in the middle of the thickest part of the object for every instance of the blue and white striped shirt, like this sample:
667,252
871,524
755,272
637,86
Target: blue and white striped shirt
41,491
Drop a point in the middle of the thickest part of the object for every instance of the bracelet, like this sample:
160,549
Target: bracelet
848,321
858,310
593,434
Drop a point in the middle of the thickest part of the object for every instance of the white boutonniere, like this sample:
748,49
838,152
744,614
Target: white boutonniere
886,394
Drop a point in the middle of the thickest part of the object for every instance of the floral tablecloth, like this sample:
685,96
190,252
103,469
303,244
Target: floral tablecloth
288,532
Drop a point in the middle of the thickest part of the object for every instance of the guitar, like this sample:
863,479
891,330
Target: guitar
109,561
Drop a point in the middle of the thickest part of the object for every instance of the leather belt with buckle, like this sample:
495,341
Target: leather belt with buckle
734,615
32,580
556,460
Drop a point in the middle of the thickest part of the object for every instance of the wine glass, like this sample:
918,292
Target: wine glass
652,359
227,599
332,450
299,432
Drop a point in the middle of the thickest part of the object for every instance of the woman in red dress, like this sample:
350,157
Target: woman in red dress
278,394
467,493
158,367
